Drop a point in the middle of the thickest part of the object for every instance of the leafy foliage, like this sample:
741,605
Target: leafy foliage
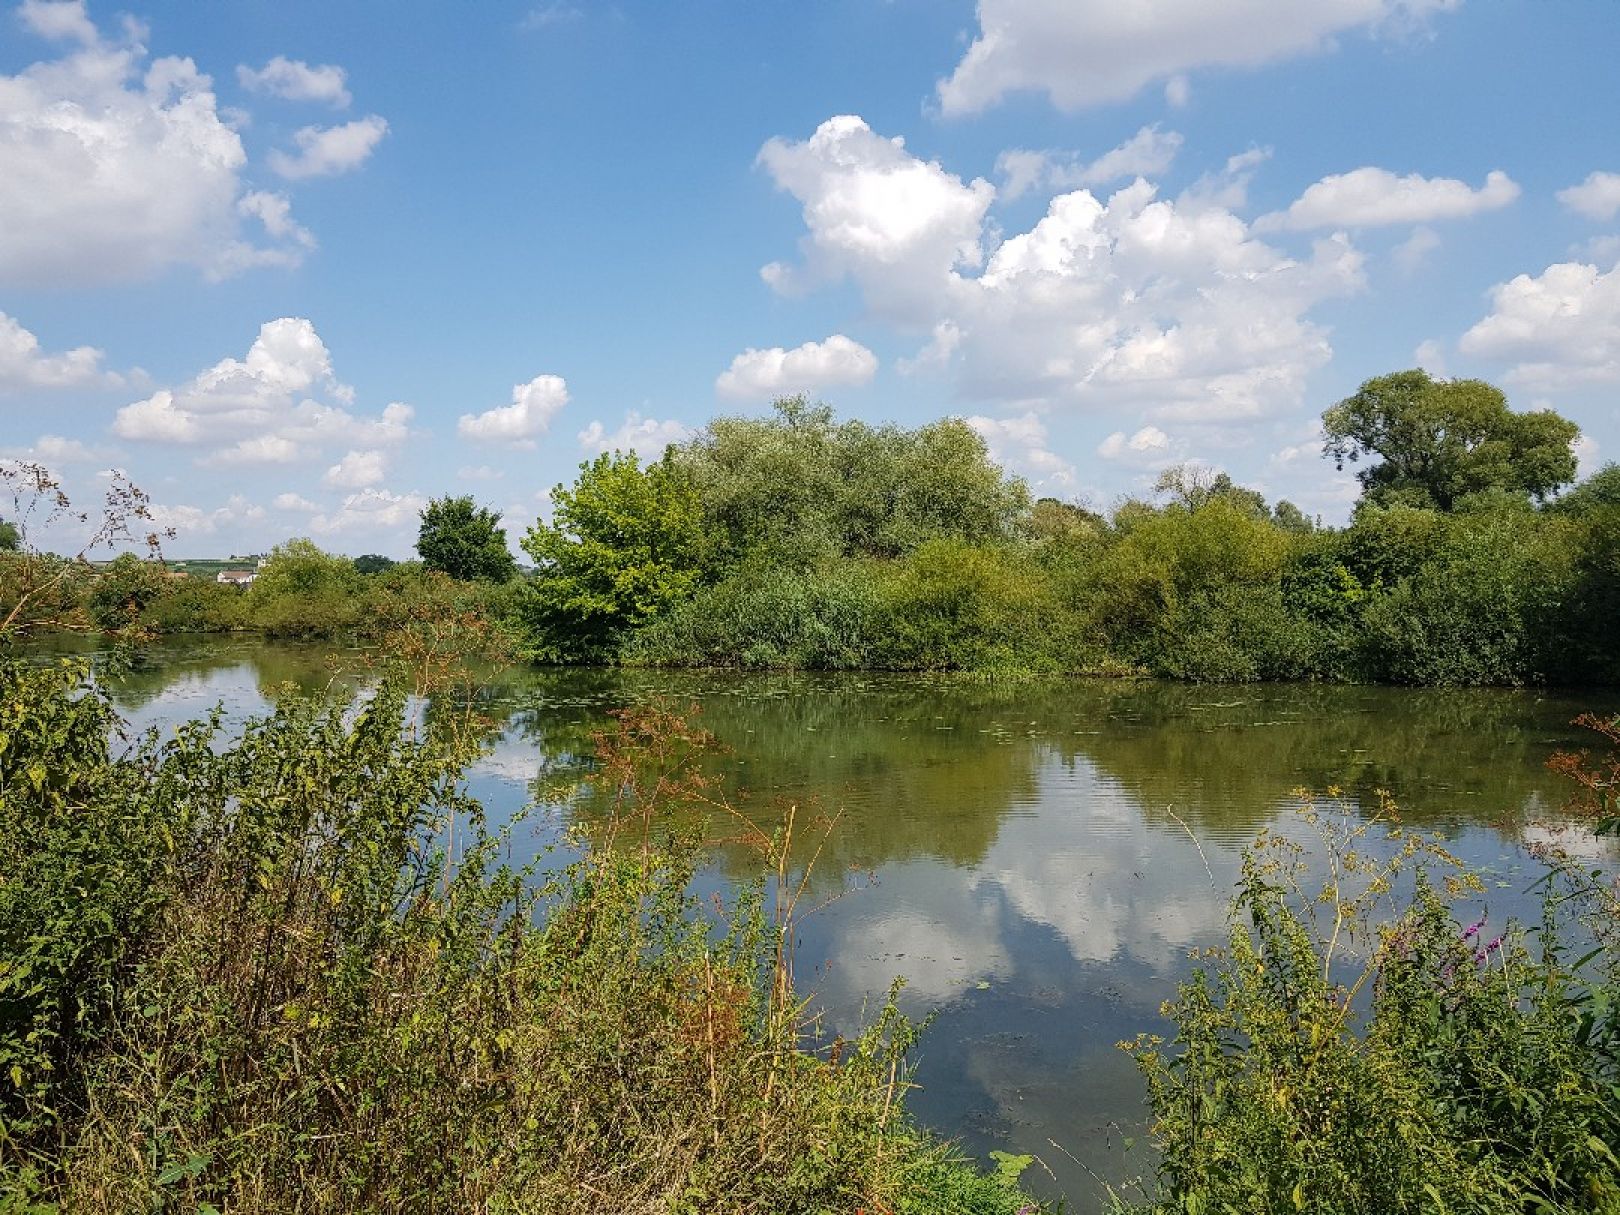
292,972
1440,440
1334,1059
464,540
625,544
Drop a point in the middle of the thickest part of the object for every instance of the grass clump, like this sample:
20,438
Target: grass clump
297,972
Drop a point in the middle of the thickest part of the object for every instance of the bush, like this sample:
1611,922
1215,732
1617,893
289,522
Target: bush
763,617
1325,1063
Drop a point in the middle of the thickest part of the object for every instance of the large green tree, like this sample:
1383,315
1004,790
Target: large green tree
1436,441
801,487
460,538
625,543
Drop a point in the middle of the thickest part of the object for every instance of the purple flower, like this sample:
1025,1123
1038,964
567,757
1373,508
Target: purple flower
1472,929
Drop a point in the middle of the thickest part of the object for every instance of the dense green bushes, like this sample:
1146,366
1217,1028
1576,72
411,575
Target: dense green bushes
800,541
1340,1057
290,972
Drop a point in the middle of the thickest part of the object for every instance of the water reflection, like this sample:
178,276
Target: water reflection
1036,882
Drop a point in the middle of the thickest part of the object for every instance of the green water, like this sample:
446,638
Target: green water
1023,854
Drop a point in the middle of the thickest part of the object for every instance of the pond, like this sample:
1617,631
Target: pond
1035,859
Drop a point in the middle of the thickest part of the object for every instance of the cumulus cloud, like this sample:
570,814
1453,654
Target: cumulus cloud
1149,443
295,80
58,20
114,168
1558,329
1371,197
1146,154
196,520
1598,197
759,375
280,404
358,469
1412,252
371,512
647,437
23,365
533,406
875,211
1021,444
294,502
1087,52
328,151
1431,356
1173,307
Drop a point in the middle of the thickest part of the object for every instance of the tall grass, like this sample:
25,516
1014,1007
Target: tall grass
295,971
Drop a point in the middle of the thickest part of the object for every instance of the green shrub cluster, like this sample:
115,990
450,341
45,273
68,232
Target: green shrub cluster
801,541
1339,1056
293,972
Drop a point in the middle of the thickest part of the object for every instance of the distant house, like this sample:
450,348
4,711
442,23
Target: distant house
237,577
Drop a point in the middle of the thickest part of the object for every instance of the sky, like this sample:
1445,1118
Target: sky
296,269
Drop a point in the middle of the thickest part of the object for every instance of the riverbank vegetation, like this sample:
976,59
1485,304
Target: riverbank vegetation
1367,1048
800,541
296,971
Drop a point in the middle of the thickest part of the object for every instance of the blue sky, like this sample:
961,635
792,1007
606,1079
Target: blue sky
297,268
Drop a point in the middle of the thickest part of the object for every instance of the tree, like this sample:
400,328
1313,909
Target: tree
1439,440
374,563
1599,492
801,487
460,538
10,537
625,544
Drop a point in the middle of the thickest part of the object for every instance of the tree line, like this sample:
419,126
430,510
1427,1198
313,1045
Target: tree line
799,540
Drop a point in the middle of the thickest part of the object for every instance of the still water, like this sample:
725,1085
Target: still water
1036,860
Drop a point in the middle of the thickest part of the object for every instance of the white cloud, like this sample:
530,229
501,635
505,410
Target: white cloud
1177,92
371,512
480,472
280,404
1558,329
1431,356
195,520
23,365
261,449
113,168
294,502
1086,52
328,151
1411,253
54,449
274,212
1146,154
647,437
1021,444
58,20
295,80
1172,308
1371,197
357,470
1598,197
1148,445
759,375
1587,456
533,406
873,210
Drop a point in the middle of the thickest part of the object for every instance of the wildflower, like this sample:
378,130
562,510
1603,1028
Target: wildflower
1473,929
